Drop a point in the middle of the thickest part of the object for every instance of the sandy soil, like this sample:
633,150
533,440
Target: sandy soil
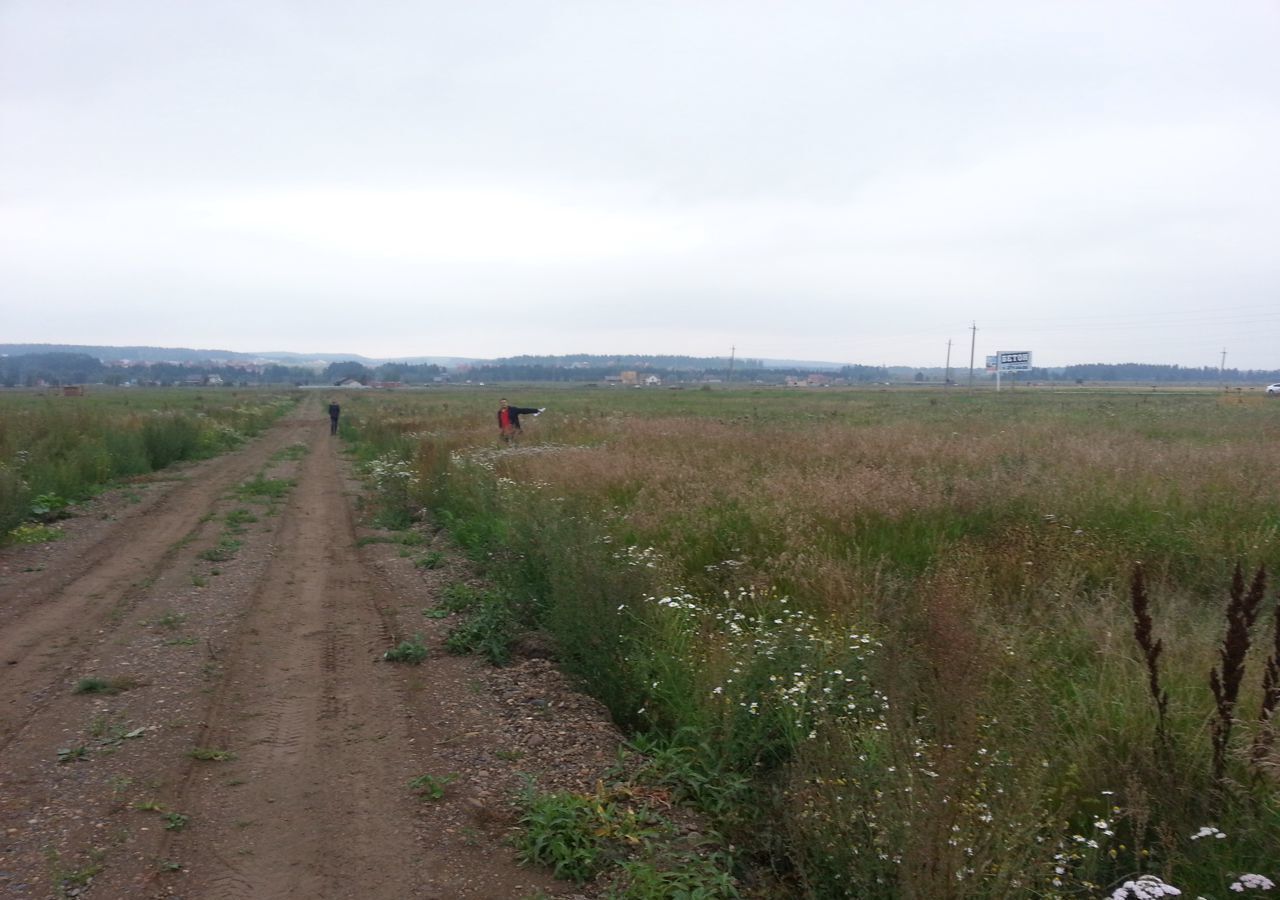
252,743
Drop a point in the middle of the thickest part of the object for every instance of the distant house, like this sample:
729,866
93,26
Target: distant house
630,378
349,383
653,381
818,380
213,379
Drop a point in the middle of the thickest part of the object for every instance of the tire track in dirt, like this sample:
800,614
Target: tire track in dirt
277,660
314,802
50,624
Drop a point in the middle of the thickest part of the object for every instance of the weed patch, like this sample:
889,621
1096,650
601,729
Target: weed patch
430,787
170,620
72,754
262,488
34,534
487,630
433,560
224,550
108,686
411,651
236,520
403,538
616,836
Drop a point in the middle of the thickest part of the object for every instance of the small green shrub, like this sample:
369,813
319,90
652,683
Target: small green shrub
559,831
688,878
237,519
260,488
407,651
224,550
429,787
49,507
487,631
171,620
34,534
72,754
211,754
94,685
167,439
433,560
460,597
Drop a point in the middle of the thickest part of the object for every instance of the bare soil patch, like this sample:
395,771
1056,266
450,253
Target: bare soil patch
236,732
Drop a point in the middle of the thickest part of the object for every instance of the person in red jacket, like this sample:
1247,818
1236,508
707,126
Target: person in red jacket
509,419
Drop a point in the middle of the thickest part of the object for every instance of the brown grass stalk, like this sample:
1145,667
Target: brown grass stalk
1151,650
1242,612
1264,740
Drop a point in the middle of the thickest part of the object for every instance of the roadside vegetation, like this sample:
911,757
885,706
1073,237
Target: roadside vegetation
905,643
56,450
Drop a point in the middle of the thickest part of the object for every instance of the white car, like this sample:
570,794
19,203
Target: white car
1273,389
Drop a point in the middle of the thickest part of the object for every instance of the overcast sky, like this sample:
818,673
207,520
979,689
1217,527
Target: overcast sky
845,181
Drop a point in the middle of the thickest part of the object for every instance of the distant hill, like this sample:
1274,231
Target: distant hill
188,355
191,356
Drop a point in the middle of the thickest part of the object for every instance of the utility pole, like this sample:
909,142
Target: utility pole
946,379
973,342
1222,369
732,352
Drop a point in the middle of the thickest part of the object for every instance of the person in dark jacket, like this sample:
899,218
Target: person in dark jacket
509,419
334,410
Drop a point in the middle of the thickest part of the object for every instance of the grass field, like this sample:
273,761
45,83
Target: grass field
57,450
887,638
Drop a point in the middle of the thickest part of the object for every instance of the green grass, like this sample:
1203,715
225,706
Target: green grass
292,452
433,560
262,488
615,836
107,686
410,650
403,538
170,620
225,549
33,534
431,787
487,630
56,451
73,754
236,520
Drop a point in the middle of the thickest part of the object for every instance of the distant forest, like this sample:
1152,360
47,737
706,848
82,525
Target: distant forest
57,368
31,369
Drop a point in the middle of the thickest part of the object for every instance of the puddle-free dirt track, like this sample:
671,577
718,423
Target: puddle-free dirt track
246,740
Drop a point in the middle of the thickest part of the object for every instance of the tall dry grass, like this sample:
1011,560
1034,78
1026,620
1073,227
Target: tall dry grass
983,543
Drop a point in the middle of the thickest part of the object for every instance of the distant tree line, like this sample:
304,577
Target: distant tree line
408,373
57,368
81,368
1153,374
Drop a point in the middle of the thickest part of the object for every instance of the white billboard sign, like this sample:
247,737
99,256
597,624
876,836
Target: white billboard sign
1014,360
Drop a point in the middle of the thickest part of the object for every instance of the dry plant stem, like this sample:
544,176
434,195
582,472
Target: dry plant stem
1242,612
1265,738
1151,649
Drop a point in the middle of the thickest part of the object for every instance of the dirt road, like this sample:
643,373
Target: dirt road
193,701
